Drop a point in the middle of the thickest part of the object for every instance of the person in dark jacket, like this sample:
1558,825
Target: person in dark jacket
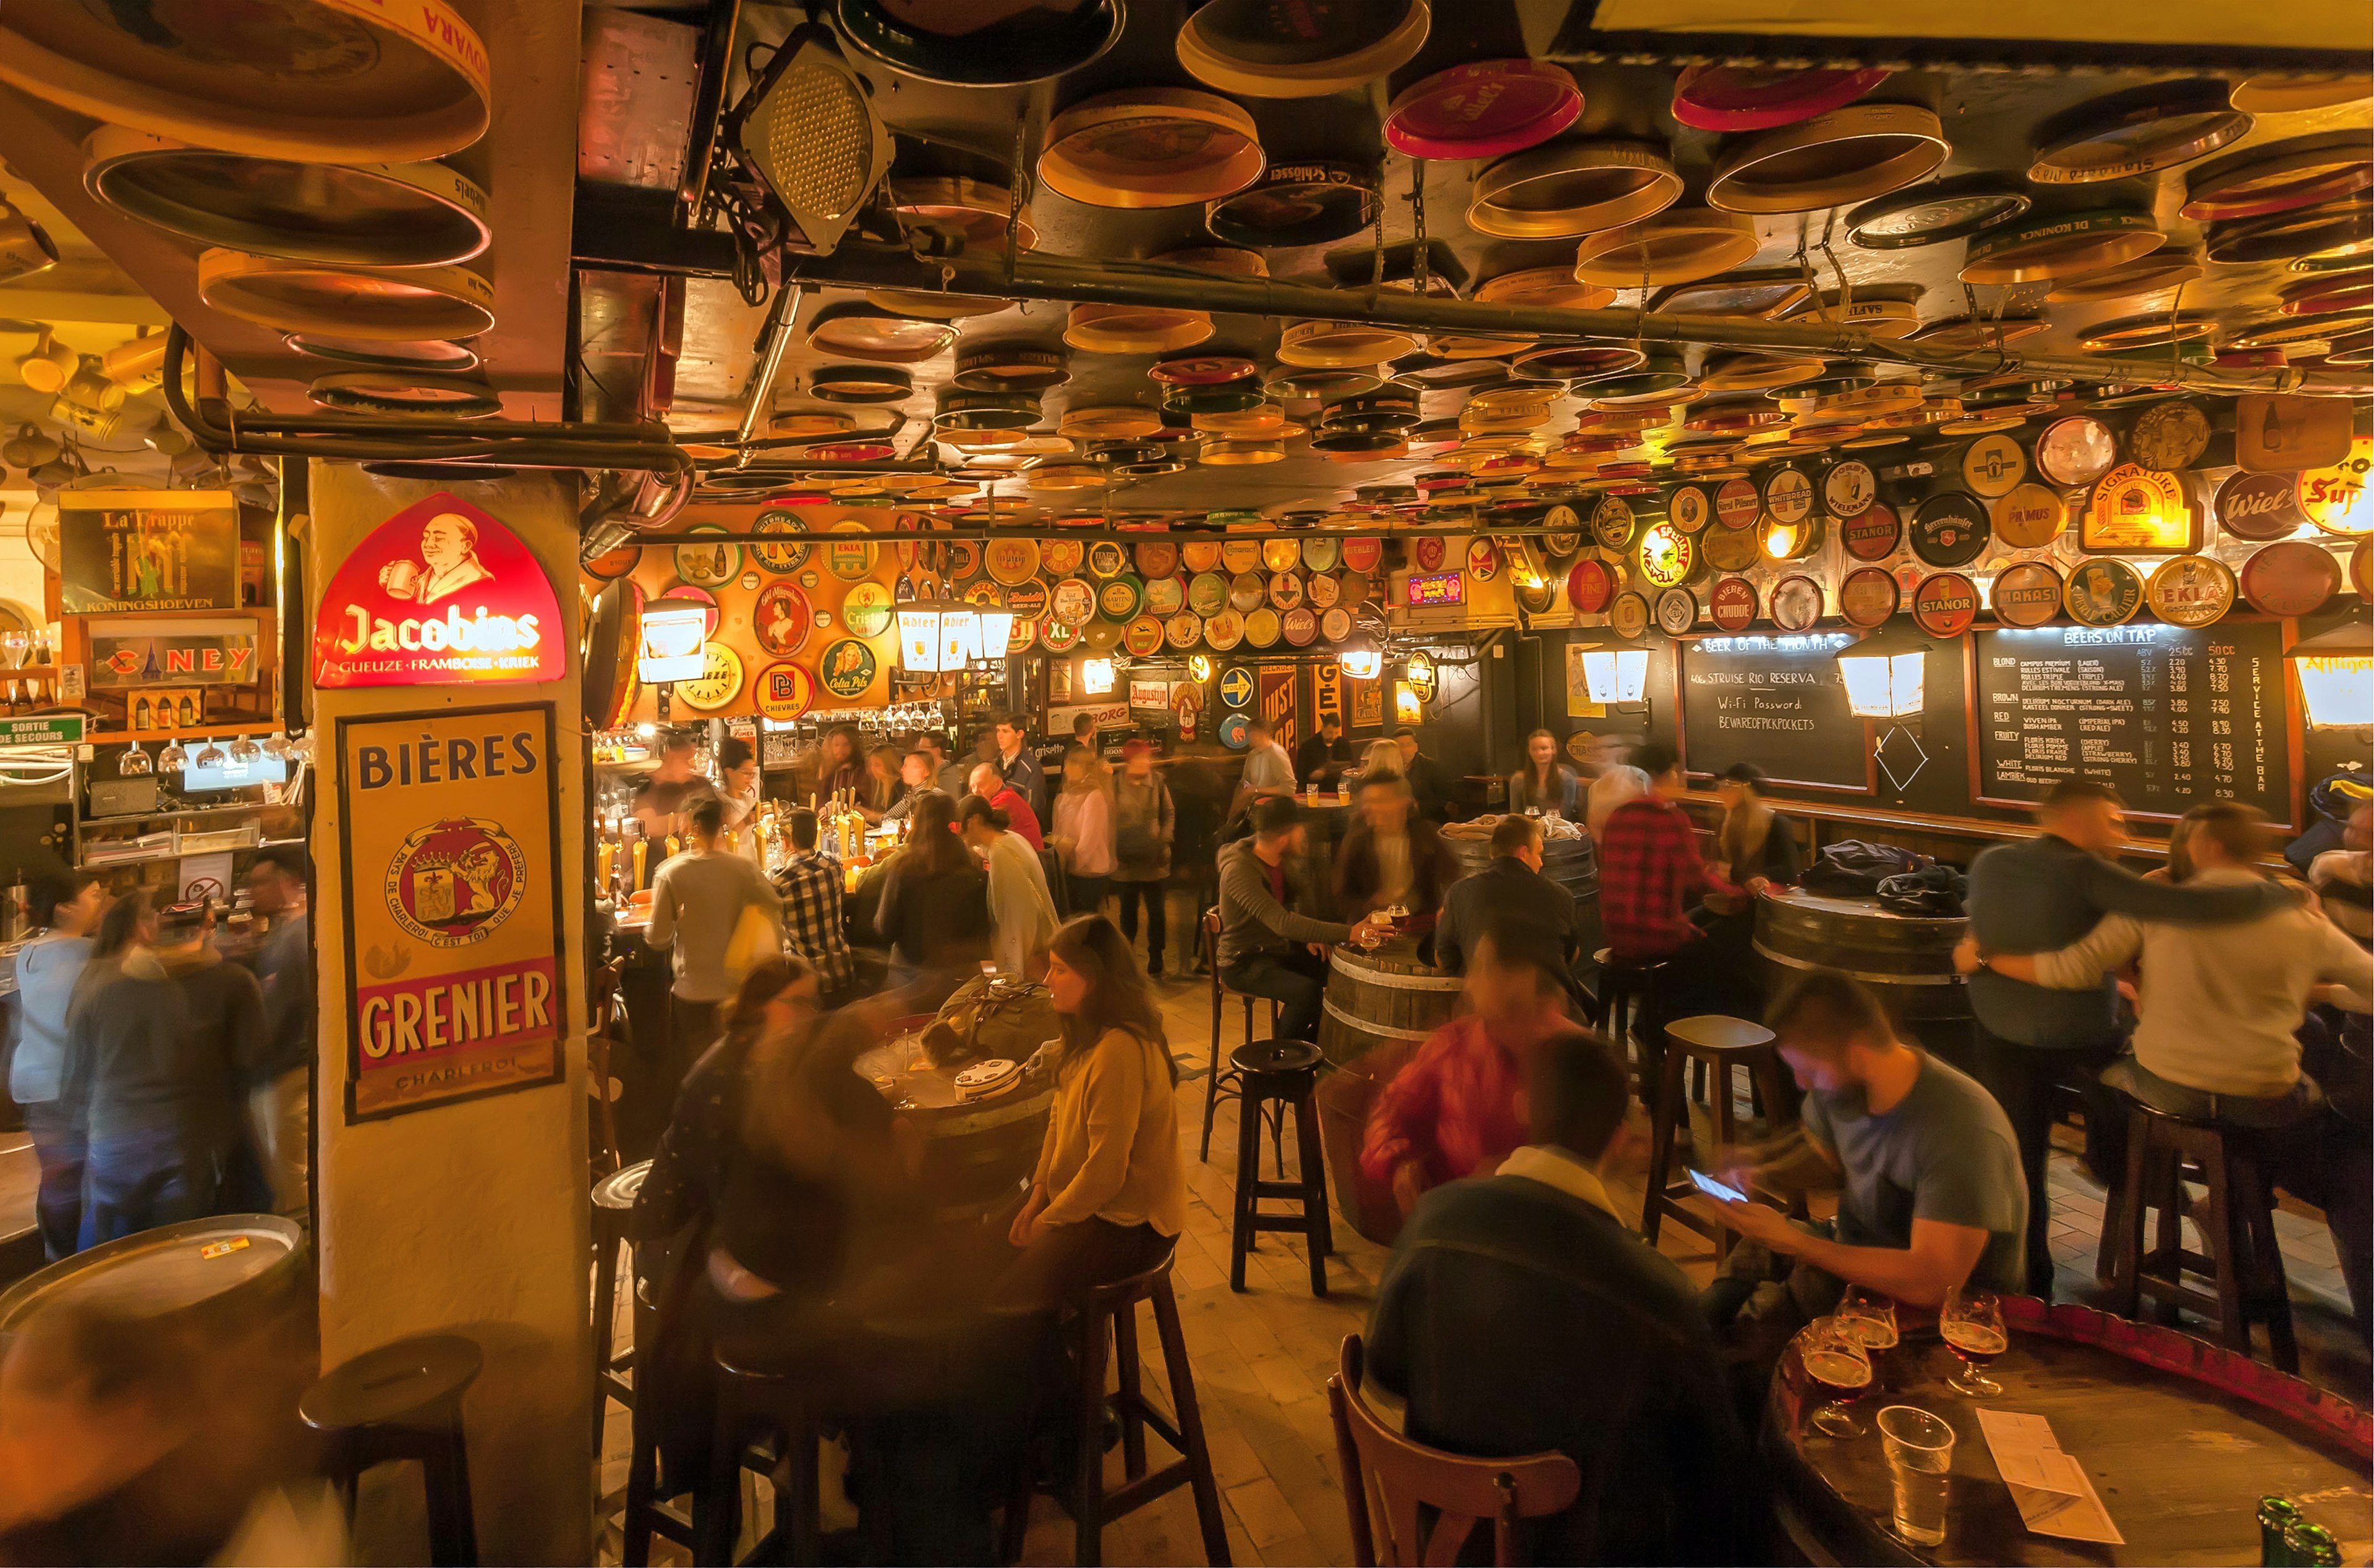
1512,888
280,1064
1320,757
1519,1313
1428,785
48,967
1392,856
935,907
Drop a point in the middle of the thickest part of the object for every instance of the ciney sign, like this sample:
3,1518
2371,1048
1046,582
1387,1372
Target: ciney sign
440,594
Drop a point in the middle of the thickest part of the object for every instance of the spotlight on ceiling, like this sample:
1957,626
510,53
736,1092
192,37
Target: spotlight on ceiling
808,130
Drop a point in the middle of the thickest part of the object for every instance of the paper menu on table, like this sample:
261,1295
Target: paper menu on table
2048,1486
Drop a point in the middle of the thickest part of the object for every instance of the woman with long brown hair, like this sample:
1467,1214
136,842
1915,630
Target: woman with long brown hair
934,908
1108,1197
1545,784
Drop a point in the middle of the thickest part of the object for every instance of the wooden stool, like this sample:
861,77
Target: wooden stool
1284,1073
1625,984
614,1206
1106,1321
768,1420
648,1513
1721,1043
2242,1264
1222,1082
404,1401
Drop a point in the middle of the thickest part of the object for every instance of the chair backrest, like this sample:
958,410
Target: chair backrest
1387,1478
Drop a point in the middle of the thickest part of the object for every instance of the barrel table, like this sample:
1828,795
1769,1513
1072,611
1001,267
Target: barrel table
1572,863
978,1154
1906,960
1382,996
2179,1438
217,1275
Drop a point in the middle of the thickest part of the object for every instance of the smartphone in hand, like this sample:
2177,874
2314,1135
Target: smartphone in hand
1716,1189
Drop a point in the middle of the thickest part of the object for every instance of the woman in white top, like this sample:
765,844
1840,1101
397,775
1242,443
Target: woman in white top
2219,1007
1021,911
1083,833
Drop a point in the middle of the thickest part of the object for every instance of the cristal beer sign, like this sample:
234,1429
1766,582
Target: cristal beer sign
439,594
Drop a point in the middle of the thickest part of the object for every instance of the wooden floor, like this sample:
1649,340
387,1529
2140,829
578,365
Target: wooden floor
1261,1359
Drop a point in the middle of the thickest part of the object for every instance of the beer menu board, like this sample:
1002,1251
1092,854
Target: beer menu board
1777,702
2166,714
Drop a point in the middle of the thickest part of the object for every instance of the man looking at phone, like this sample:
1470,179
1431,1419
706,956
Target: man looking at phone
1933,1197
1519,1314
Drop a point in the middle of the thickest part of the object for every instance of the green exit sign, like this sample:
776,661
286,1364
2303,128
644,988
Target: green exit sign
55,729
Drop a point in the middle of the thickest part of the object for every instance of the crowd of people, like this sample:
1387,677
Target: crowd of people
163,1078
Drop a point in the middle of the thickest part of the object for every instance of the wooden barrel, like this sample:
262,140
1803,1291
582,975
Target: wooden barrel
1382,998
1907,960
227,1272
978,1154
1570,862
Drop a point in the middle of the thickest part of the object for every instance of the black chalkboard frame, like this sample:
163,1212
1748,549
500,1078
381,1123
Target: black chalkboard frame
1684,645
2294,719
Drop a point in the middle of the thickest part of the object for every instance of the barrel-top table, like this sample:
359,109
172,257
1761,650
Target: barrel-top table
1382,996
2179,1438
1906,960
978,1154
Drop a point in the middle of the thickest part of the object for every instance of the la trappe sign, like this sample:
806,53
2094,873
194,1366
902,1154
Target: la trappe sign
440,594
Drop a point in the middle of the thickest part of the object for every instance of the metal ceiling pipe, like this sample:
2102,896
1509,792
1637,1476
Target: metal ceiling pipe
778,344
1063,278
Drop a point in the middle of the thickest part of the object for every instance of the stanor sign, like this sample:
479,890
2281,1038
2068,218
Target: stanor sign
440,594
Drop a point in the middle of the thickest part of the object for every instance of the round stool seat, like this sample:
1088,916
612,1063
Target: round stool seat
2308,1107
618,1189
1275,1057
392,1385
1116,1294
1715,1032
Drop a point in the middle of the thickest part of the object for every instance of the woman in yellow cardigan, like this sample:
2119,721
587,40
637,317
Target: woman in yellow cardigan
1110,1195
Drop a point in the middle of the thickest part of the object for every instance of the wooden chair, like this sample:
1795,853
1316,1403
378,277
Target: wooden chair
1388,1479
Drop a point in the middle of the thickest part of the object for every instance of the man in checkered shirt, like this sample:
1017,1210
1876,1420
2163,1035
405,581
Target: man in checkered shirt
810,883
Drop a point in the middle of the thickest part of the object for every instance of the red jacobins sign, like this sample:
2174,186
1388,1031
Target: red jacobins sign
440,594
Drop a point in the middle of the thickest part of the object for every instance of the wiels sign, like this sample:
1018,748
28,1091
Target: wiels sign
440,594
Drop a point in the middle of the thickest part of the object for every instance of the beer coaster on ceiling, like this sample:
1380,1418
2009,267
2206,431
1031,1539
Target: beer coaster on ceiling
1796,604
1944,605
2141,510
1993,464
1749,98
1299,627
1950,530
860,383
2060,246
2102,593
1733,603
1134,329
2141,131
2027,517
1202,370
1549,288
1677,611
2153,329
1937,211
1183,630
1058,637
1342,345
1013,46
1027,368
2169,436
2336,498
1849,489
1847,155
1569,189
399,304
1483,109
2077,451
1141,636
404,393
334,82
2278,177
1213,52
1293,205
855,330
1113,422
1868,597
1352,590
2191,590
1678,245
1262,627
2026,594
1979,332
1788,496
1753,294
2334,229
1150,147
2284,92
1872,533
1627,615
975,211
2154,273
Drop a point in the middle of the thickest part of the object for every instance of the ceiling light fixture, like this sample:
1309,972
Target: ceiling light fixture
809,131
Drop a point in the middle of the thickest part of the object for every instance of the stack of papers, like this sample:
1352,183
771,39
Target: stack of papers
2050,1487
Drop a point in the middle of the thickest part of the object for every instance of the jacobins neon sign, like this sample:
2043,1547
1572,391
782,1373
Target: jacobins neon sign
440,594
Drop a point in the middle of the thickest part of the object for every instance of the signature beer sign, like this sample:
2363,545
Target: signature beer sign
449,824
439,594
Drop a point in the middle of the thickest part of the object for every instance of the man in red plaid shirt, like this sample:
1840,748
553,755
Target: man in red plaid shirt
1651,875
810,883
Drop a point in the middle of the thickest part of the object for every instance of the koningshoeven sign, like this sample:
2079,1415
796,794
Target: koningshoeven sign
449,827
440,594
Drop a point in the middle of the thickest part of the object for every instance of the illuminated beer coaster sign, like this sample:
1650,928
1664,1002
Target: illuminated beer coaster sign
2139,509
2029,516
2260,508
1431,591
1789,497
1946,605
1688,509
1849,489
1993,464
1868,597
440,594
2335,498
1874,534
1737,505
2026,594
2191,590
1732,602
1669,557
785,691
2102,594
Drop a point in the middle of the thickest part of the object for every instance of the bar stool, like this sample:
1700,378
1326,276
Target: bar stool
1284,1073
404,1401
1222,1082
646,1512
769,1419
2242,1262
614,1206
1106,1322
1721,1044
1625,984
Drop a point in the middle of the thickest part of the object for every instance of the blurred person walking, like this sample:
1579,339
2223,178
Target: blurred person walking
1083,832
1145,823
67,909
280,1065
1021,910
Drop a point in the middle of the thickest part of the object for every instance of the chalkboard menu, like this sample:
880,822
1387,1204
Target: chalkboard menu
1777,702
2166,714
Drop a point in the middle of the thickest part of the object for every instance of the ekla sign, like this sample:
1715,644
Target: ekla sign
440,594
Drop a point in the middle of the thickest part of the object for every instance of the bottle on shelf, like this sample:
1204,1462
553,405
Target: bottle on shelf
141,713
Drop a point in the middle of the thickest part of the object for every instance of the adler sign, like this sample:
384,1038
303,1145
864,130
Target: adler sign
440,594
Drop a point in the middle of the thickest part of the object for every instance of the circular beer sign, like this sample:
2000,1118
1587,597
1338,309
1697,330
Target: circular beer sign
1946,605
1868,597
1688,509
1362,555
1677,611
1208,593
1224,631
2191,590
1628,615
1736,504
1611,524
2260,508
1950,530
1669,557
2169,436
1730,550
2077,451
1142,636
1071,603
1590,586
1874,535
2334,498
866,611
2291,577
2102,593
782,619
1789,495
1183,630
1796,604
1732,602
1993,464
1849,489
2029,516
2026,594
705,563
719,683
785,691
